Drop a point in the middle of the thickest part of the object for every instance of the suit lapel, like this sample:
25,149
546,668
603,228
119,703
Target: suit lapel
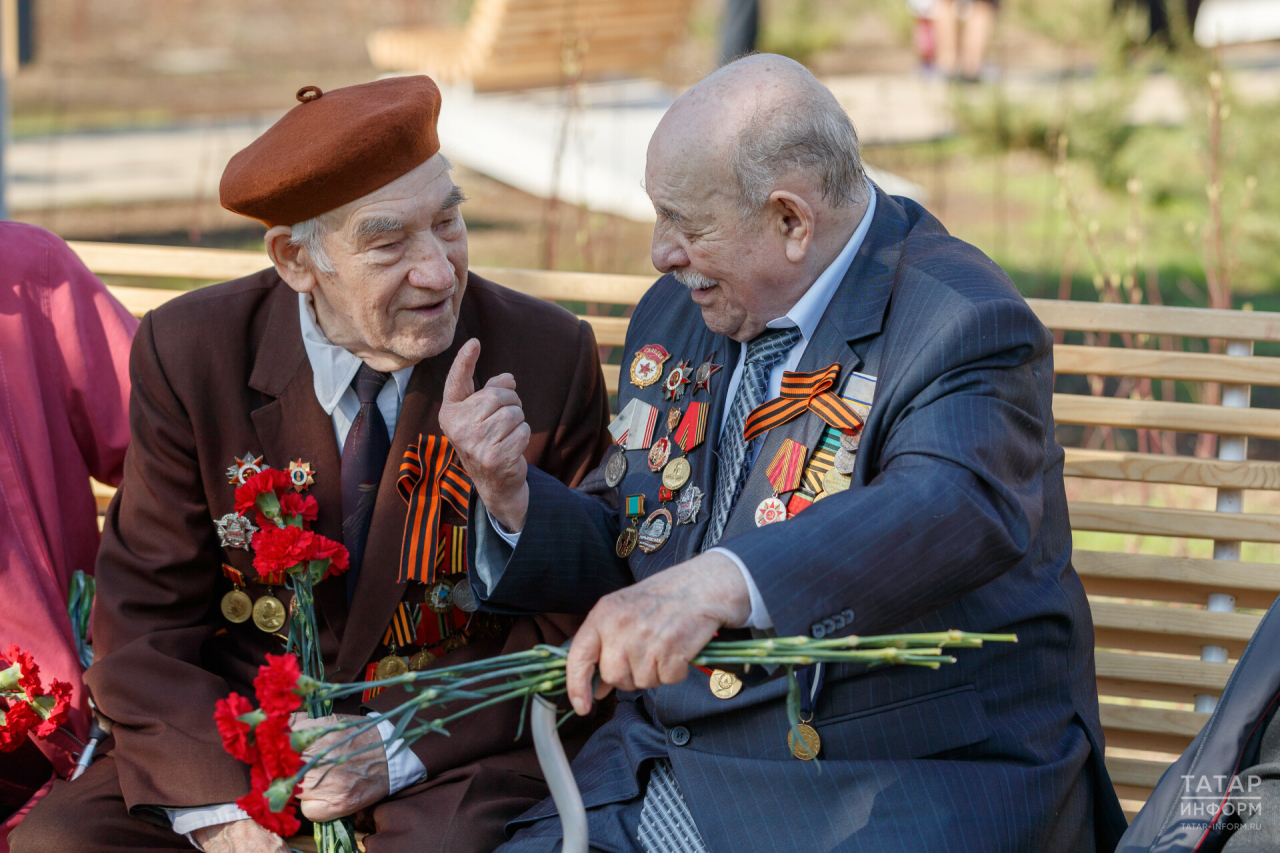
294,426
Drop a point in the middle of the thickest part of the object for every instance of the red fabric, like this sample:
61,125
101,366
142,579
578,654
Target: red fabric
64,393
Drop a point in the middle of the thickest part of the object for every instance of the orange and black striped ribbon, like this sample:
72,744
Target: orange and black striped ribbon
693,426
803,392
403,630
429,478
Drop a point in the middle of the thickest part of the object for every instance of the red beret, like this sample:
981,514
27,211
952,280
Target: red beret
333,148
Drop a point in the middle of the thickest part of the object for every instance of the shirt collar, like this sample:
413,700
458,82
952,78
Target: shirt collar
332,366
808,311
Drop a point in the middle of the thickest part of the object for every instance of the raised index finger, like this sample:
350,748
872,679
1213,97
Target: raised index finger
460,383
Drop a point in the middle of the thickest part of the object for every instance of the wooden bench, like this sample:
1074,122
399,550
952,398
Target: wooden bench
519,44
1169,628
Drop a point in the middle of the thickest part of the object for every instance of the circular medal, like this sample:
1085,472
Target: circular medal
725,685
268,613
464,597
659,453
844,461
421,660
770,511
849,441
833,481
673,418
819,496
390,667
237,606
810,744
676,474
655,531
616,469
627,541
453,642
439,597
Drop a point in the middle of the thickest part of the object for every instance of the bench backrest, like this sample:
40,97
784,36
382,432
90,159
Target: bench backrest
1168,627
526,43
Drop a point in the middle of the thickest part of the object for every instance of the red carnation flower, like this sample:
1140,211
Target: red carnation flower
17,722
269,482
283,823
292,503
276,755
276,686
235,732
278,549
323,548
59,696
28,671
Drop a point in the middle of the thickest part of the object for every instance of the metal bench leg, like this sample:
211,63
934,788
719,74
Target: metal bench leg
559,776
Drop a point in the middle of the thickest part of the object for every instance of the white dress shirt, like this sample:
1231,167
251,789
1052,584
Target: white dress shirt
332,368
804,315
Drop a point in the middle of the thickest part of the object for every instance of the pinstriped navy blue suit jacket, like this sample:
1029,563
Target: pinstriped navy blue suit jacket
957,518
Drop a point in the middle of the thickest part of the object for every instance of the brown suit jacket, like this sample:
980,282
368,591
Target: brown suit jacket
222,371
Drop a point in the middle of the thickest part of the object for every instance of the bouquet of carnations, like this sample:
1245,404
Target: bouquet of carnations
27,707
262,737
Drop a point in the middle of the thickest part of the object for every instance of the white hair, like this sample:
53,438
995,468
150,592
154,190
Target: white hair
810,132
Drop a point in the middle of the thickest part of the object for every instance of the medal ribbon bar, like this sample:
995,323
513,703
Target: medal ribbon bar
787,466
801,392
693,426
429,477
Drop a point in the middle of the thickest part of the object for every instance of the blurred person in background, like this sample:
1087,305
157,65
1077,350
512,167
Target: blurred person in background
963,30
740,29
923,37
64,395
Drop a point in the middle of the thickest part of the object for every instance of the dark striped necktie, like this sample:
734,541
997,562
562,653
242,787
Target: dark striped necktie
364,455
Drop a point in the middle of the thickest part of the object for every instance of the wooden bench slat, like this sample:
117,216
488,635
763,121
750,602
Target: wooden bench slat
1156,364
1088,410
1183,579
612,372
609,331
1162,521
1119,625
1135,771
169,261
1200,676
1070,315
1162,468
571,286
1167,721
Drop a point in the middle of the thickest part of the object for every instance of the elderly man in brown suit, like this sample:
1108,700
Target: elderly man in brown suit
337,356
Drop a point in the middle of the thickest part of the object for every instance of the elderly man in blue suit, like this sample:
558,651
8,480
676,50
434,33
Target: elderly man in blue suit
743,494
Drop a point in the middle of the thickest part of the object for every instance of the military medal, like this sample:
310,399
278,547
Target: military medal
676,474
659,452
464,597
850,440
391,666
833,481
665,494
799,501
725,685
673,418
702,376
300,475
688,435
809,745
633,428
784,474
673,388
439,596
646,368
630,535
268,613
655,531
843,461
616,469
235,531
689,505
237,606
244,468
421,660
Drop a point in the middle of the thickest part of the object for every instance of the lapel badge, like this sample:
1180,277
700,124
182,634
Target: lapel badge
646,368
659,453
244,468
235,531
689,505
655,531
702,376
673,388
300,475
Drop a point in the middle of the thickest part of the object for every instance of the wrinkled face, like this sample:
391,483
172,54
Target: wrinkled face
728,262
399,258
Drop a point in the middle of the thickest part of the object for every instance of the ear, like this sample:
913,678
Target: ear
290,260
794,219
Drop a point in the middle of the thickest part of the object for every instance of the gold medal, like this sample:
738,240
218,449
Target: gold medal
390,667
453,642
725,685
268,613
646,368
237,606
676,474
810,744
421,660
628,539
833,481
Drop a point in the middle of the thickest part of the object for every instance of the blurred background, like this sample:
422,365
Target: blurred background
1115,150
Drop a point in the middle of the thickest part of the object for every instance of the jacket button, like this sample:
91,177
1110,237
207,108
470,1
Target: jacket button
847,613
817,630
679,735
830,625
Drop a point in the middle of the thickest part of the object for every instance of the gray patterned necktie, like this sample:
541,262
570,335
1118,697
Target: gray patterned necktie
763,352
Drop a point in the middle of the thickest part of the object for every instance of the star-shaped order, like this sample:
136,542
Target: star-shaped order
704,373
244,468
300,475
673,388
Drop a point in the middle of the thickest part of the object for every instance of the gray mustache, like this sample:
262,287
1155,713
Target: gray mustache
694,280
